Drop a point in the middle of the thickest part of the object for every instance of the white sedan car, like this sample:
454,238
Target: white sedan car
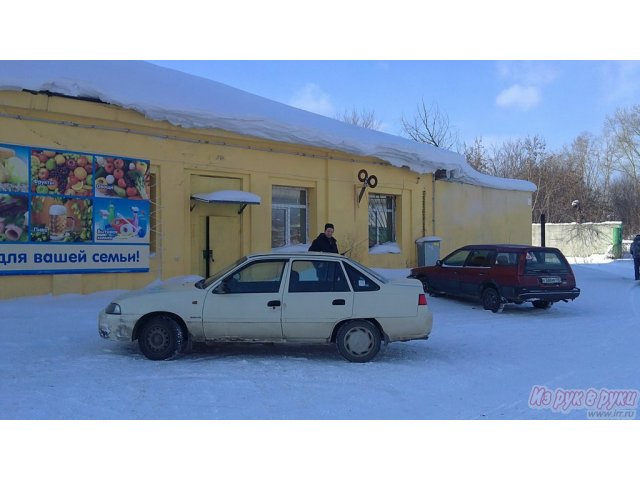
293,298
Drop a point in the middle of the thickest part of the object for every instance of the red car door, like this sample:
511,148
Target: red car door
475,271
445,277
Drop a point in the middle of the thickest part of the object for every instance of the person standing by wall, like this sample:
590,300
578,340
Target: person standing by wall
325,241
635,252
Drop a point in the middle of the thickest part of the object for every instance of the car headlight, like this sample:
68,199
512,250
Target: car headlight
113,309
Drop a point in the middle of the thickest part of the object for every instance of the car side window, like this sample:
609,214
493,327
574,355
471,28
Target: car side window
506,259
359,281
317,276
456,259
479,258
258,277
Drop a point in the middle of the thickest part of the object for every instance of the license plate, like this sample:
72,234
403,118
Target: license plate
550,280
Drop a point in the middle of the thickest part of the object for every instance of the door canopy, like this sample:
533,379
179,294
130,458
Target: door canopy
238,197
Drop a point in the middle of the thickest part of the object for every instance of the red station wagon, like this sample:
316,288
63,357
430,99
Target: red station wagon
500,274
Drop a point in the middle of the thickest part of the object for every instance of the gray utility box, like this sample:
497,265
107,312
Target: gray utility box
428,251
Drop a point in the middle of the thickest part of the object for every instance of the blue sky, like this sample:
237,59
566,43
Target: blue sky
543,77
495,100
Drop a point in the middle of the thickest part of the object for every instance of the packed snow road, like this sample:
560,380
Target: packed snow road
476,365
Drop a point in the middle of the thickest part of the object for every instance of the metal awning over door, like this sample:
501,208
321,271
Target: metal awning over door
238,197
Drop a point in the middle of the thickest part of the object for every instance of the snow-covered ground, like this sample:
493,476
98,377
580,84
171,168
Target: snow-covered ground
476,365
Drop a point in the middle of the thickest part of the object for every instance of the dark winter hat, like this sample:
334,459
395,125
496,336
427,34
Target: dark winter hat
328,225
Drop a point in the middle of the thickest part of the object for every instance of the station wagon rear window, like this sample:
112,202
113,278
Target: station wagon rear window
544,261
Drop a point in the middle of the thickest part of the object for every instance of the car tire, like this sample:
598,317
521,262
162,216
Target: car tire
544,304
358,341
491,300
161,338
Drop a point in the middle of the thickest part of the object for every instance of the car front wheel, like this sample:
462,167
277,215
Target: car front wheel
161,338
427,288
491,300
358,341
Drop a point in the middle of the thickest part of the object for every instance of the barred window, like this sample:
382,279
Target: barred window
382,219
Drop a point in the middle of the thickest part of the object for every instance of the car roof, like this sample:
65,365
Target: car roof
295,254
508,246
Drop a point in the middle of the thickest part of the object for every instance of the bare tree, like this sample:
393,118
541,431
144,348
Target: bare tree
601,172
476,155
363,118
622,131
623,128
591,168
430,125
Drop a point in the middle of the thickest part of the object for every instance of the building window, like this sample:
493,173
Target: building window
382,219
288,216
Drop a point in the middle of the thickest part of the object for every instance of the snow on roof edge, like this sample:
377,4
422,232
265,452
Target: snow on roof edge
189,101
228,196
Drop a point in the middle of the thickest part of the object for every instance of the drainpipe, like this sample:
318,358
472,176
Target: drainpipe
433,203
424,213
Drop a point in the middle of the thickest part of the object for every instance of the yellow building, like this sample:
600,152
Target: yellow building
224,171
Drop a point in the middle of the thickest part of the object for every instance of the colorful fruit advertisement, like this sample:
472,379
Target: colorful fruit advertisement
72,212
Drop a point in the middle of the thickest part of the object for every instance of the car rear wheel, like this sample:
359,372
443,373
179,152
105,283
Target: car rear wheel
161,338
491,300
544,304
358,341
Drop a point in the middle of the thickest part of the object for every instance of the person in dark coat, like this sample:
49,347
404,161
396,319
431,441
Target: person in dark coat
635,251
325,241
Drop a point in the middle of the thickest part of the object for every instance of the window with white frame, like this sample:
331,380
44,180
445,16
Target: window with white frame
382,219
289,219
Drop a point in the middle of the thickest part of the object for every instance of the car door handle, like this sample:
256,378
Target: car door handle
273,303
338,301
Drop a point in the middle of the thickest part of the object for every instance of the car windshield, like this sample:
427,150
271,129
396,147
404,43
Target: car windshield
205,282
544,261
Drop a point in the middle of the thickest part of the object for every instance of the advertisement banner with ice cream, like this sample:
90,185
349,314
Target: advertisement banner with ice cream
52,198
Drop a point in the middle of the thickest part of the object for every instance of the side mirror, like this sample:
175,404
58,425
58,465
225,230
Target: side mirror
438,263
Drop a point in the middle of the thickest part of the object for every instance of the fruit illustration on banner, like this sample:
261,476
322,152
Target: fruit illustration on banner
14,170
61,173
121,178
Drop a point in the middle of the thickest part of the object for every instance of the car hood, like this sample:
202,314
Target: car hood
185,287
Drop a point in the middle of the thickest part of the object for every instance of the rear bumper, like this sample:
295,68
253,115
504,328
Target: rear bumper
551,296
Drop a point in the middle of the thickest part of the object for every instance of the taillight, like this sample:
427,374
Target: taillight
422,299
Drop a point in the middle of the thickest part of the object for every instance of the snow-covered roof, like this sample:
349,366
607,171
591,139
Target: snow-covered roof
189,101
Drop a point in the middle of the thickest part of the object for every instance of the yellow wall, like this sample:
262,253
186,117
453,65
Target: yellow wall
481,215
185,161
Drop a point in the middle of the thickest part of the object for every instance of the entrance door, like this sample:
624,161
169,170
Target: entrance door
224,241
219,234
214,226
